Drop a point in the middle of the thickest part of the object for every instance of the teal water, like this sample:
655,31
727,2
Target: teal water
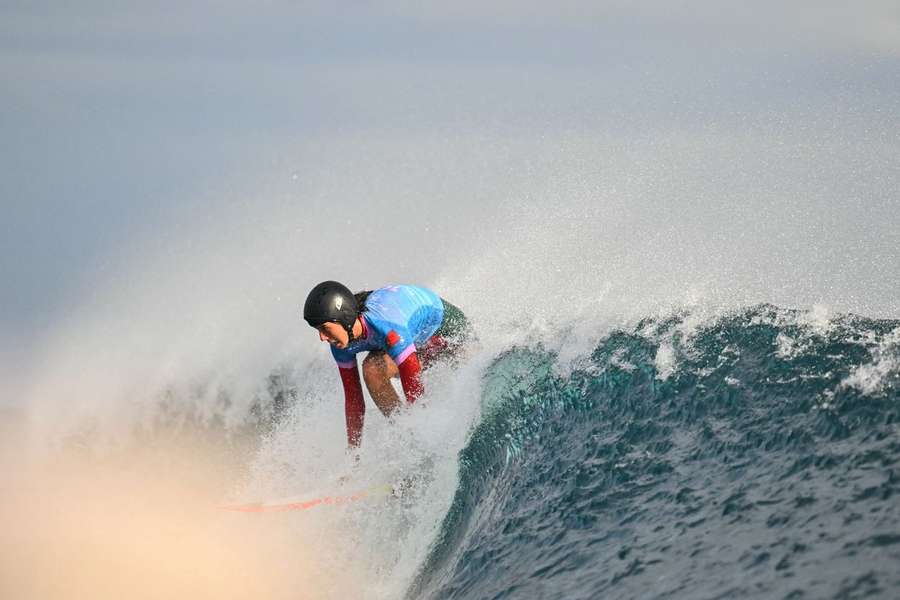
753,455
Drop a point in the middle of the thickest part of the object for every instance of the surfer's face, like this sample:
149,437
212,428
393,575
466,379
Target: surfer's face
334,334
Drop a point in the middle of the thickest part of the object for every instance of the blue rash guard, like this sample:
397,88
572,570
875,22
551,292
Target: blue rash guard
396,319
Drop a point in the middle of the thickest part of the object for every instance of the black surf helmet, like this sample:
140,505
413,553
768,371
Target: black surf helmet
331,302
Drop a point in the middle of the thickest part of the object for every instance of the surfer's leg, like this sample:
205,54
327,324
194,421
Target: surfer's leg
378,368
448,341
432,350
455,324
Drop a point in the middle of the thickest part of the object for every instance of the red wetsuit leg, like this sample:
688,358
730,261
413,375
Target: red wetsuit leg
410,377
354,404
433,349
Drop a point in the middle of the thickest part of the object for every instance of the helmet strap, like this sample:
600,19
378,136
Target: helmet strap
350,331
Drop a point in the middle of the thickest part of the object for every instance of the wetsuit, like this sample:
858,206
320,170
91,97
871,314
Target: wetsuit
414,326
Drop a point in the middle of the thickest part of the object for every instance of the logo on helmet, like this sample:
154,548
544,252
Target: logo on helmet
339,302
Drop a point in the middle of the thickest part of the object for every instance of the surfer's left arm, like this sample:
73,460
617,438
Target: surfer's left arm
402,350
411,377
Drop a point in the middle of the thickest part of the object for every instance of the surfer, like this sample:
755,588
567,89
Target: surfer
404,328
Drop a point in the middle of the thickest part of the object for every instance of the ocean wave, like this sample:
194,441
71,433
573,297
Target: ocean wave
749,454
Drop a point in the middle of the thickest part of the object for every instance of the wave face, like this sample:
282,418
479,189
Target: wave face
749,455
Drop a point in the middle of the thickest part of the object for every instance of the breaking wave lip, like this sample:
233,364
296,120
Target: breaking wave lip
743,453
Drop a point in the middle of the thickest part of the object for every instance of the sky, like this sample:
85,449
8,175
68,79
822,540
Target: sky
177,175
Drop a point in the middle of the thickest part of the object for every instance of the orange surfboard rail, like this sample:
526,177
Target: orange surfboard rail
280,506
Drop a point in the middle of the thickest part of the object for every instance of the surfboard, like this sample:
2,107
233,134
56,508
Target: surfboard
289,504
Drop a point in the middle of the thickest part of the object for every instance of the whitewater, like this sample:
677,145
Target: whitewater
677,240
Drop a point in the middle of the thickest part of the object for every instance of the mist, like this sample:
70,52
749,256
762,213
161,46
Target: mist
176,178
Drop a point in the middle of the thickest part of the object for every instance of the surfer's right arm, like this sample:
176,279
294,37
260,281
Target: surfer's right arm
354,404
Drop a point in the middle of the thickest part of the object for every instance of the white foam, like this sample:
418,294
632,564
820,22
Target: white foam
871,378
387,539
665,360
